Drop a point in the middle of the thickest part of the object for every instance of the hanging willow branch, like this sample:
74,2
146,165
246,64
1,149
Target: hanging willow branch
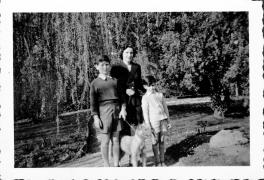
27,47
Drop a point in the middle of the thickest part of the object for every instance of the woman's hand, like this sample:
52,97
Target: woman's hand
98,122
130,92
123,113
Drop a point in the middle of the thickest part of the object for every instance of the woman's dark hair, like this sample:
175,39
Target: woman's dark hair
102,58
129,45
148,80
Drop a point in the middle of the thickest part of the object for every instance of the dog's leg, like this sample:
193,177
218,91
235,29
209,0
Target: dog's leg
129,161
144,158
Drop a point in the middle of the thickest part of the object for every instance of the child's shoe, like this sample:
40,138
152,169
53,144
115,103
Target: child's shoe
162,164
157,165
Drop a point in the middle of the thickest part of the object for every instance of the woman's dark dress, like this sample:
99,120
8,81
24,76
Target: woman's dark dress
130,80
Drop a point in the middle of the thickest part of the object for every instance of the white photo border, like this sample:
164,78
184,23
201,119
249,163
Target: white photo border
254,171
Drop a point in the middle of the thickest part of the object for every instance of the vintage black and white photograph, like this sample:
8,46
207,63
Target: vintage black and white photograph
131,90
126,89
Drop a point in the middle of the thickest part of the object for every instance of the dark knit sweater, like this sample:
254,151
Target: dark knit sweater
102,91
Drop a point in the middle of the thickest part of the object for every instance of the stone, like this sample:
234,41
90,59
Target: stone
225,138
234,150
244,157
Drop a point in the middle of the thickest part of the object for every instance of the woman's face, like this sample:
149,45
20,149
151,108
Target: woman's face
128,55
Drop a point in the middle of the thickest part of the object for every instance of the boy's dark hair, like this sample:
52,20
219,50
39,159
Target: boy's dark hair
102,58
128,45
149,80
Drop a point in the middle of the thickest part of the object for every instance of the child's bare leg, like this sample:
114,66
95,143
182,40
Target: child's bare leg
105,148
110,149
116,149
156,153
155,146
161,148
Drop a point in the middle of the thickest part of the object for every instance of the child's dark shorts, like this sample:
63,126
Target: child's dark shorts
109,112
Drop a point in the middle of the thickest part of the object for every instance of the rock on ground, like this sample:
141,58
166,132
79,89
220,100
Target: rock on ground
233,145
225,138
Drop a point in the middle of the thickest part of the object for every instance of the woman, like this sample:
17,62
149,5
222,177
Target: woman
128,74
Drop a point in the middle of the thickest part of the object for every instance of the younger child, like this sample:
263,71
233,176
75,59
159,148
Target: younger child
156,116
105,108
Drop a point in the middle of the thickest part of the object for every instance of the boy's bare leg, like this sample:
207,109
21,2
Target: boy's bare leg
116,149
156,153
105,148
111,149
161,149
155,148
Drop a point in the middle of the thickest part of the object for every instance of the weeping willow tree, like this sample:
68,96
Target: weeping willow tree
34,70
53,62
190,53
53,59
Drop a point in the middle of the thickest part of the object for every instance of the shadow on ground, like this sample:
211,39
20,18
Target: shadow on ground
186,147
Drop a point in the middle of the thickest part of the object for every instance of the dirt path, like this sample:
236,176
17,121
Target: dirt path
183,142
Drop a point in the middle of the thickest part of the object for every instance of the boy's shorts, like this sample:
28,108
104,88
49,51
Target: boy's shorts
159,127
109,113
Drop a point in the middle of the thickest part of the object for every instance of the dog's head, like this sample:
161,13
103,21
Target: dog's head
142,131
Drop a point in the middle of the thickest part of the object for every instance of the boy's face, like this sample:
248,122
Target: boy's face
103,67
148,88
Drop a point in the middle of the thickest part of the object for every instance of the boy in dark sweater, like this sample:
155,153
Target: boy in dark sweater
106,102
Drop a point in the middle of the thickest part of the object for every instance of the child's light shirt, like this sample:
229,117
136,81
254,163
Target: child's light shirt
154,107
